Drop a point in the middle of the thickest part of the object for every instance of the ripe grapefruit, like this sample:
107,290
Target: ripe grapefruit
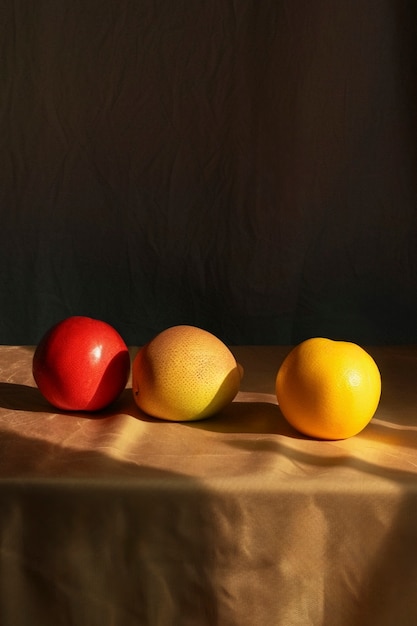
328,389
184,373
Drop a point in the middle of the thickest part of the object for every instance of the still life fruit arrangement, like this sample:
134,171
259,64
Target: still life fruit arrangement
325,389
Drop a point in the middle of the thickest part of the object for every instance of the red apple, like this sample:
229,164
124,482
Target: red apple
81,364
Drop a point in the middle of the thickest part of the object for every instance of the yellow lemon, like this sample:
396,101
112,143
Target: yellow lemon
328,389
184,373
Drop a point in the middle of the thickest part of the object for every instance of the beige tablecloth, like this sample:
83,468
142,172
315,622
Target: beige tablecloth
117,519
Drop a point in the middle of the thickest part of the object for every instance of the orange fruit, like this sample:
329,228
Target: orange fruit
184,373
328,389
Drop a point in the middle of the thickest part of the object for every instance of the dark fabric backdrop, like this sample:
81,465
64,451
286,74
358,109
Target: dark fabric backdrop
246,166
